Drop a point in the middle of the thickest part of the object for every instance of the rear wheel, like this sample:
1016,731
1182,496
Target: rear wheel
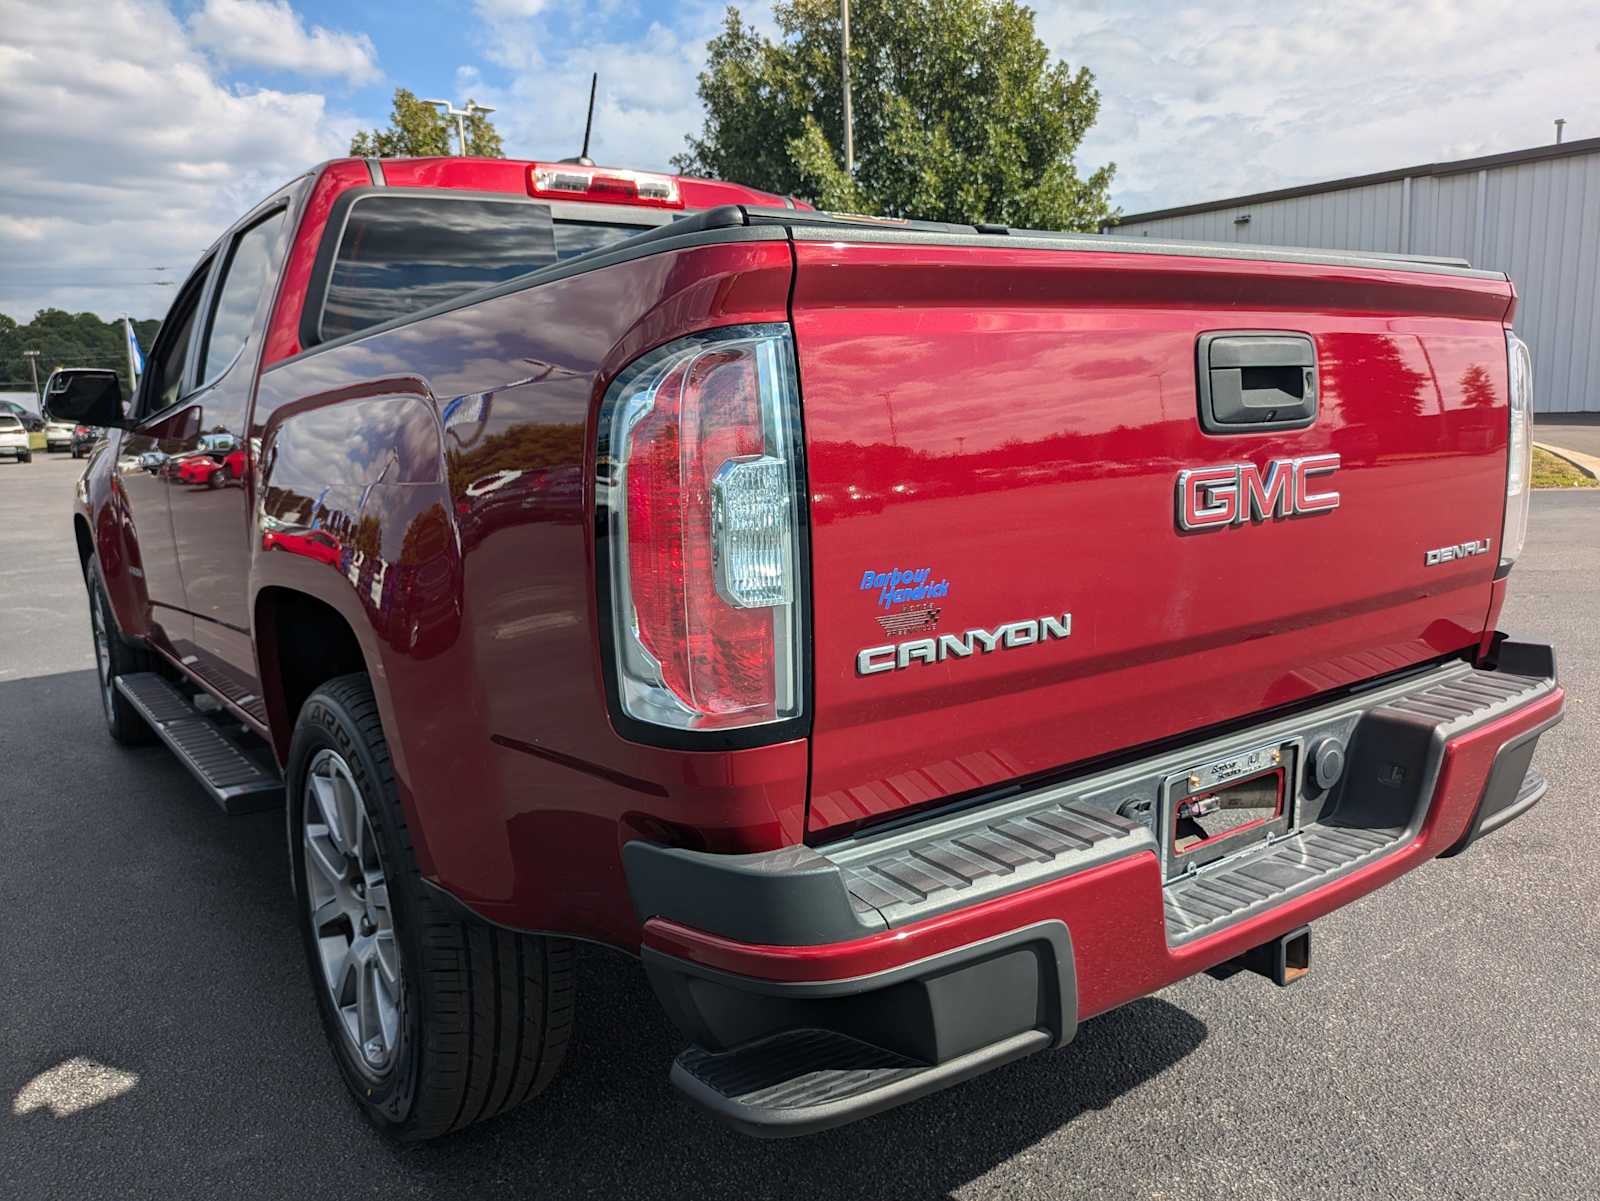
436,1020
114,656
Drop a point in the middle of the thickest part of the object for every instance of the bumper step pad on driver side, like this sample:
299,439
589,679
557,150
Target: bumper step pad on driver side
803,1081
235,781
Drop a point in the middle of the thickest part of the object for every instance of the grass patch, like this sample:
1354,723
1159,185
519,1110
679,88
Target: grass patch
1552,472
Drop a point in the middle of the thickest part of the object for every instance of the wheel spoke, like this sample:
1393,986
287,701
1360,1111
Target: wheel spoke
322,791
367,1025
324,855
325,914
388,1010
388,957
349,806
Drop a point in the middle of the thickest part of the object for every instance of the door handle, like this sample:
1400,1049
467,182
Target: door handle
1256,380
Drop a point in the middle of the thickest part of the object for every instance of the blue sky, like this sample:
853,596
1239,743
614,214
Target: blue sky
133,131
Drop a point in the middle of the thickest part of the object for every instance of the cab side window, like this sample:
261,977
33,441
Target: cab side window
163,382
245,283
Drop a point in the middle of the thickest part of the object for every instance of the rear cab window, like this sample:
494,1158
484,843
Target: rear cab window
397,254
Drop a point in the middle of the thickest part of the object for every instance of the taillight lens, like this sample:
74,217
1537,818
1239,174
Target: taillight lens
699,488
1519,463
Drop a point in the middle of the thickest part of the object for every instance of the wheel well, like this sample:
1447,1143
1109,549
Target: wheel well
301,643
80,527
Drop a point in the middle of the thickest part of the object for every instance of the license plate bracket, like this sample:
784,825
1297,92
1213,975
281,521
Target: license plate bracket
1223,806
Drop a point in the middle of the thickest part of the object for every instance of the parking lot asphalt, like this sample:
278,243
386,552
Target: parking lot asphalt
1570,431
158,1036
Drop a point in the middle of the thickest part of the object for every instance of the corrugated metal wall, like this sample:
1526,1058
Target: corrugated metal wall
1539,222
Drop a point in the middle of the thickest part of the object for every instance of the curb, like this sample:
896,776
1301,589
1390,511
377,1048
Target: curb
1588,464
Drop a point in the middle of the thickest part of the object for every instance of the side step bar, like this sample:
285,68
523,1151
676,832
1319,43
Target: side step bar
803,1081
235,781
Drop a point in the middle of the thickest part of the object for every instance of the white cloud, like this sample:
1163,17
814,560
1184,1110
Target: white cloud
1199,104
124,152
268,33
1196,101
647,98
491,10
126,149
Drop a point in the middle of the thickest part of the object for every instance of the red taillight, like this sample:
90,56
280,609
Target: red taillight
700,490
605,185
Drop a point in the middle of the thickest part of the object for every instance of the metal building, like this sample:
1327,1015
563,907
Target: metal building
1534,214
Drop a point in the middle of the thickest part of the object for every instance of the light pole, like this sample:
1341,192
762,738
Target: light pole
33,362
461,115
844,62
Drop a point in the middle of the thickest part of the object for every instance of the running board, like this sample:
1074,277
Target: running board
803,1081
235,781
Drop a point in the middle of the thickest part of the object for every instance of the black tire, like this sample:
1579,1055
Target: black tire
26,457
485,1014
121,657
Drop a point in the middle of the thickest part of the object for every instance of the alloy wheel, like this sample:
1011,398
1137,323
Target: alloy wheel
102,650
351,920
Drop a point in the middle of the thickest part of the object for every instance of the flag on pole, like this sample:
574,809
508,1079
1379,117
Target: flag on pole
135,359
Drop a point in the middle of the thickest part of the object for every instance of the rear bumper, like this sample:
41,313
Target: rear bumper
821,986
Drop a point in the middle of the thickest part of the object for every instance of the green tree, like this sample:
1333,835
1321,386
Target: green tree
959,113
66,340
421,130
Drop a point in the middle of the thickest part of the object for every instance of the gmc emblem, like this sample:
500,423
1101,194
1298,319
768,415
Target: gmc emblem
1232,495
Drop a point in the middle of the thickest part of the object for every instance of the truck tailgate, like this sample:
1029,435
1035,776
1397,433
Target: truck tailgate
995,433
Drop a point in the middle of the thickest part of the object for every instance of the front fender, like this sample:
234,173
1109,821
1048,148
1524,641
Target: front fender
98,501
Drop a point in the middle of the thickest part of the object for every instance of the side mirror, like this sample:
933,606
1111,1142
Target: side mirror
86,395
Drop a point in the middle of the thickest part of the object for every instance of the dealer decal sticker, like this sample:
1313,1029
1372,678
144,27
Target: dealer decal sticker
897,587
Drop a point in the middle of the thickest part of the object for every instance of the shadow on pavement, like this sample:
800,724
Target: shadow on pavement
152,938
613,1127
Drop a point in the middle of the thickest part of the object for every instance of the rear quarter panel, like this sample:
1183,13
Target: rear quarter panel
452,460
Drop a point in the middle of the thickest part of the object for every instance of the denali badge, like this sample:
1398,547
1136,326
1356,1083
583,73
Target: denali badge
1233,495
1461,550
960,646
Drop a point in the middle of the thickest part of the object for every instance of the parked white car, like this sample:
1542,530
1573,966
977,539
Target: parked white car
14,441
58,434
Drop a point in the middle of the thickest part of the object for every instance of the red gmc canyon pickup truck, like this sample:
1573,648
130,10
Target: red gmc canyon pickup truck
911,640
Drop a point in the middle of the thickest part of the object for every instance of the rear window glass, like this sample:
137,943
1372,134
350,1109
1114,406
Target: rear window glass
579,237
400,254
8,422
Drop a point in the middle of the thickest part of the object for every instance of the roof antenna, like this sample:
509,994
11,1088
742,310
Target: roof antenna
583,159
